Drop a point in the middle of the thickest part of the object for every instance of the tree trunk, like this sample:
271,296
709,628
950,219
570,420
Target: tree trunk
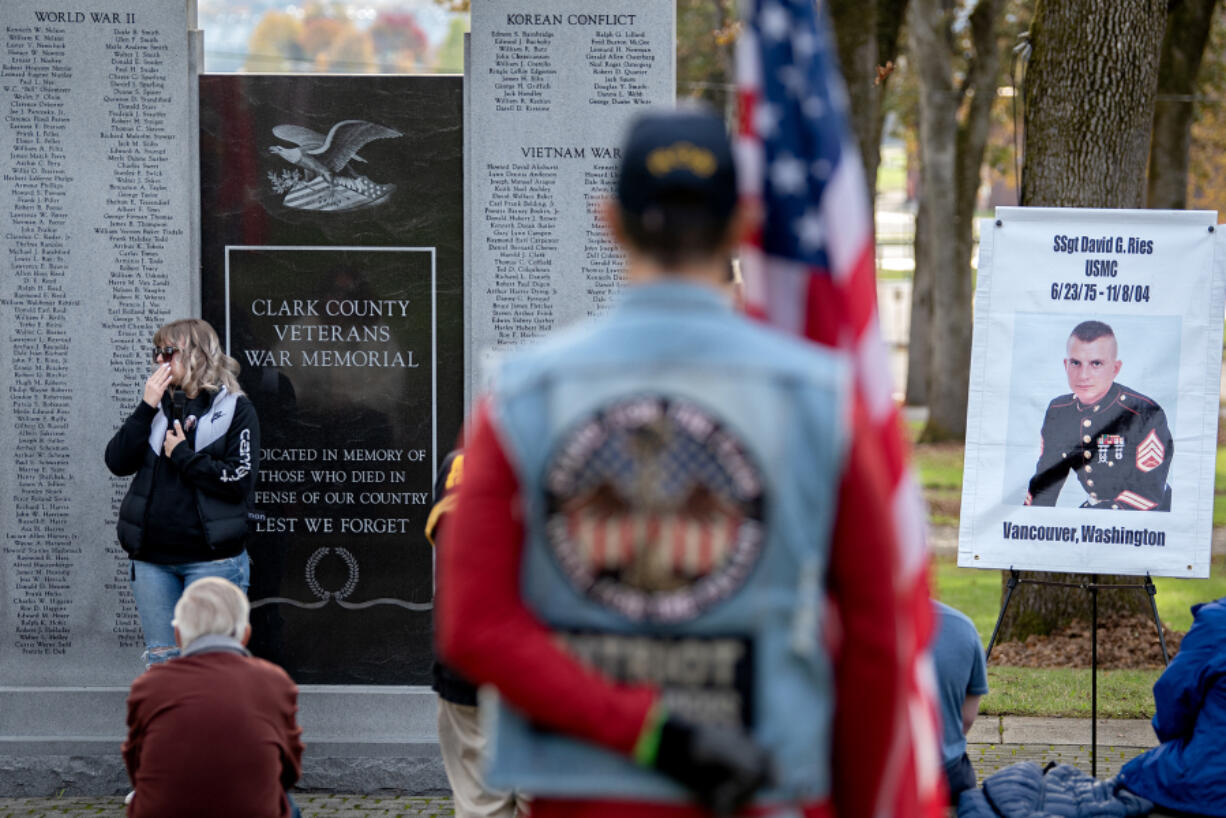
951,152
890,17
935,258
1091,83
918,358
1187,32
1090,90
855,29
1040,609
867,37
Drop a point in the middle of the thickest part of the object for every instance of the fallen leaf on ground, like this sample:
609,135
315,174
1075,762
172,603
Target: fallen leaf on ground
1129,642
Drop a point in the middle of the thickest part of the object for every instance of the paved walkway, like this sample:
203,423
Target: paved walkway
331,806
995,742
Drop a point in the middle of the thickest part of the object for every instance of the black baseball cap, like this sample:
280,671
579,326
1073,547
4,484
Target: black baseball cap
677,151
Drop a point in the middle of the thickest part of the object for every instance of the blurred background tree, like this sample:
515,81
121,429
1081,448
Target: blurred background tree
1207,151
706,39
427,36
451,52
1183,49
400,44
276,44
331,36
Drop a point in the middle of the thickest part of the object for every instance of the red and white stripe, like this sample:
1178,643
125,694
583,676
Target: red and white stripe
837,309
688,547
1131,498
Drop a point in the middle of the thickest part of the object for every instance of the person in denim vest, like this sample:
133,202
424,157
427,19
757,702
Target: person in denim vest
681,533
193,444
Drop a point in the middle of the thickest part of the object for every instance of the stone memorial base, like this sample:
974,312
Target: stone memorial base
358,740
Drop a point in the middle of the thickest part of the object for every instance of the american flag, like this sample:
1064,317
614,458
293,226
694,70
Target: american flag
810,270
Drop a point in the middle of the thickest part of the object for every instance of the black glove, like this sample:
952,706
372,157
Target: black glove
722,766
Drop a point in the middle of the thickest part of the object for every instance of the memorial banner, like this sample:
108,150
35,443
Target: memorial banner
1094,392
332,235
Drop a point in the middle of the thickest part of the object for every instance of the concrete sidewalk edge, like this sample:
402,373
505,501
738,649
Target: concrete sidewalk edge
1039,730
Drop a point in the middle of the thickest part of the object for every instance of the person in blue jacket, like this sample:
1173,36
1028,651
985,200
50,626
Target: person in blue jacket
1187,771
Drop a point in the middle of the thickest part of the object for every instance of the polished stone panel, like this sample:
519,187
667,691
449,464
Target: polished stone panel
332,233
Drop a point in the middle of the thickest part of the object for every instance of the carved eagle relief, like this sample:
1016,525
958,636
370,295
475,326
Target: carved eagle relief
324,178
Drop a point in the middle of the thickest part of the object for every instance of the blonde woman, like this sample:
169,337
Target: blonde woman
193,443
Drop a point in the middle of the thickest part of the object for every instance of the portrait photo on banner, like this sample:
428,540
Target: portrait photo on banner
1121,386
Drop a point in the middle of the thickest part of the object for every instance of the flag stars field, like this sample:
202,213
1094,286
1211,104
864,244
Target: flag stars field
766,120
809,231
804,44
793,79
813,107
788,175
775,21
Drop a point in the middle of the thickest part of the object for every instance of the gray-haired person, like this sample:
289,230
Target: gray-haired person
213,732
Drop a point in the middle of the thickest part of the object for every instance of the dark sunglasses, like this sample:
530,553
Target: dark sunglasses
165,352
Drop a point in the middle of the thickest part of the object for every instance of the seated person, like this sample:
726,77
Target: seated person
1187,771
213,732
962,680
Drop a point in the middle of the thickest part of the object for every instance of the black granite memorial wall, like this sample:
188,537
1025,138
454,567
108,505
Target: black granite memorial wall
332,265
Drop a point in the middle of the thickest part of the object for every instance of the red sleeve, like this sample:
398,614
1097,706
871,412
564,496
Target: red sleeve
136,730
291,754
488,634
869,679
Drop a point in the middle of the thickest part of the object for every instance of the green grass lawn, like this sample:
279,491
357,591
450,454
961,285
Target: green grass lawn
1019,691
1219,489
891,176
977,593
1065,692
892,275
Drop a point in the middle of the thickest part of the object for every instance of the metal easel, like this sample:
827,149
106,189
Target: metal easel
1093,586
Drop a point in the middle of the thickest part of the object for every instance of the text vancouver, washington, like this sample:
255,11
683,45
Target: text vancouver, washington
1115,535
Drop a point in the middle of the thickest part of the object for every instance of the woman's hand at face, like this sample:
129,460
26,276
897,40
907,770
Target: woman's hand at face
156,385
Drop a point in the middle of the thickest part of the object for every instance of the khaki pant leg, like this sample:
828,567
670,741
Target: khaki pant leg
463,748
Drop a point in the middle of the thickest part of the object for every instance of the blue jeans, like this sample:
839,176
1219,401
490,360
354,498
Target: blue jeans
959,777
158,587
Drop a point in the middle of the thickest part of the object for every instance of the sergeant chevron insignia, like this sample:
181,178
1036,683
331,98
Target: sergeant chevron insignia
1150,453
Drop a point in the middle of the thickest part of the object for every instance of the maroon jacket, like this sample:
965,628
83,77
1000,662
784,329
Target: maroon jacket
212,733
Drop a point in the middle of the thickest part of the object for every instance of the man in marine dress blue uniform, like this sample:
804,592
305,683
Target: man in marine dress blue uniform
1114,439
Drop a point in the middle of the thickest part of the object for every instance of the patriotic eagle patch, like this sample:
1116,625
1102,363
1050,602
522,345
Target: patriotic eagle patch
1150,453
654,509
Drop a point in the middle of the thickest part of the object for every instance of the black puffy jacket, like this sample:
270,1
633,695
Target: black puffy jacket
219,460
